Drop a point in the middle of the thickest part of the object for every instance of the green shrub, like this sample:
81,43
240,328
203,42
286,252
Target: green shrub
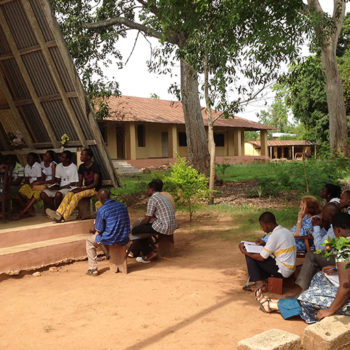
186,184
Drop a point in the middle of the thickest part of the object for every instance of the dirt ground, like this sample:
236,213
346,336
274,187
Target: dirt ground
193,300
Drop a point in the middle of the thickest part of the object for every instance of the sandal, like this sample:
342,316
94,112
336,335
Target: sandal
261,305
92,272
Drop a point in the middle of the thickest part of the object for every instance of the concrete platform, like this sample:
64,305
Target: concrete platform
32,246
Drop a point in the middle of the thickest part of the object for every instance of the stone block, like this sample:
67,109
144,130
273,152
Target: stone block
273,339
332,333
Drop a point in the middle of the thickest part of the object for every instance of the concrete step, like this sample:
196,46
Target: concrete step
36,255
36,246
123,167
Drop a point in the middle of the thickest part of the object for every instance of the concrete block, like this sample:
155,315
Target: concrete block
332,333
273,339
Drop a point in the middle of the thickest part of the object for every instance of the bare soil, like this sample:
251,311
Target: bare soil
193,300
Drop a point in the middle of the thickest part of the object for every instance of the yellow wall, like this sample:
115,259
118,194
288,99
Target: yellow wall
249,150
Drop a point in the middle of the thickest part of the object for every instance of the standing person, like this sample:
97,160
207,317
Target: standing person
66,178
277,258
322,231
345,201
112,226
33,176
325,296
89,183
331,193
159,219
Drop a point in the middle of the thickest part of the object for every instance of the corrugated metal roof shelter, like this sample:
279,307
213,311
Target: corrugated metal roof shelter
41,96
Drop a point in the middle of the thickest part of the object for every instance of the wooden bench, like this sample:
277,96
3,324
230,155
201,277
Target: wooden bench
276,284
165,242
118,258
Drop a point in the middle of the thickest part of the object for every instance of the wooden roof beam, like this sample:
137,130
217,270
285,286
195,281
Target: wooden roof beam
27,79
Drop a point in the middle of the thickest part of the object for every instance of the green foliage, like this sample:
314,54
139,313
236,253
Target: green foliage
186,184
274,178
221,168
339,247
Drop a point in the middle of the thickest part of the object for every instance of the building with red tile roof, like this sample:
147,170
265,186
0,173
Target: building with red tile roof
141,128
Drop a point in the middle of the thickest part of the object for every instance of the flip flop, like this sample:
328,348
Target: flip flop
261,305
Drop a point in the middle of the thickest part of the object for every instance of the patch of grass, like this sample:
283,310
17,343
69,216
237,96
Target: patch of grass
245,221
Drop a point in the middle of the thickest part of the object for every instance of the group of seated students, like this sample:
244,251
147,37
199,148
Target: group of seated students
61,186
320,295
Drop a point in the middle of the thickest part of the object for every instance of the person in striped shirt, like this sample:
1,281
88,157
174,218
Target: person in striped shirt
277,258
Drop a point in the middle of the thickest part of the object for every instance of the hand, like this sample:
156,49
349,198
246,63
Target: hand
323,313
241,248
260,242
316,221
329,270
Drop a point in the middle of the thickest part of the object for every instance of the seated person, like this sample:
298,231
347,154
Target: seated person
322,230
278,256
16,173
330,193
323,298
66,178
309,207
166,194
89,183
33,176
48,166
112,227
345,201
159,219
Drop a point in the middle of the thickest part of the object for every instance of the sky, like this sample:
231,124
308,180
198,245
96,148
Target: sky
135,79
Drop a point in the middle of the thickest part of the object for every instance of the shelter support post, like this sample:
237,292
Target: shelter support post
237,144
242,142
293,152
131,141
263,142
173,142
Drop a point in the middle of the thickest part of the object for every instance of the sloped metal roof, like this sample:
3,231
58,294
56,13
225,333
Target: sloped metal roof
283,143
150,110
41,95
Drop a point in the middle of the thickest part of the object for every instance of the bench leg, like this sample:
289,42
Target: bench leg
165,245
117,258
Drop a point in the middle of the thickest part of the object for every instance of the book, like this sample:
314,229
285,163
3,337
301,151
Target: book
252,247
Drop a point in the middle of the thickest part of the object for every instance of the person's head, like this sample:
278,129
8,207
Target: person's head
103,194
341,224
329,210
32,158
345,199
66,157
49,156
154,186
267,221
312,206
330,191
86,155
11,160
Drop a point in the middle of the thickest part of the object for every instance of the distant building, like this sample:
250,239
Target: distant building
282,149
142,128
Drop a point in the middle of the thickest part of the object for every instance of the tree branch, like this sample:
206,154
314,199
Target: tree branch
124,21
315,5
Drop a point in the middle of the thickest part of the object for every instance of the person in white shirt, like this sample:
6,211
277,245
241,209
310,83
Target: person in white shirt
33,176
322,230
66,179
48,166
277,258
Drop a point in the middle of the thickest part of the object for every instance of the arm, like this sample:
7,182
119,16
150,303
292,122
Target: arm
301,214
343,293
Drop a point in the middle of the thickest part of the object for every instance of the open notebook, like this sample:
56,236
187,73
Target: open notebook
251,247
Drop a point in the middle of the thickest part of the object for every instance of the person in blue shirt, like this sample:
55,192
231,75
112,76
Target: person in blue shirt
112,226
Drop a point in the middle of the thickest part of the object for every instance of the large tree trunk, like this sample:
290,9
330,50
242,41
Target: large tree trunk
338,130
197,147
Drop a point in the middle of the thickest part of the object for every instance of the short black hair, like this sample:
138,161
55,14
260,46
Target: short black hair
156,185
34,155
341,220
69,154
88,151
268,218
52,154
333,190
